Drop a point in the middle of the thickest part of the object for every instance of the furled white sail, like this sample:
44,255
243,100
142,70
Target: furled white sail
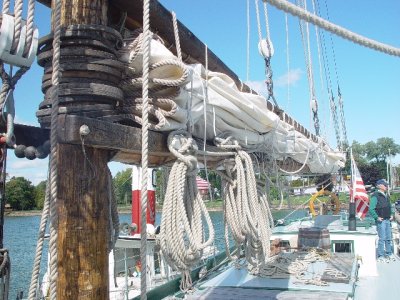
217,108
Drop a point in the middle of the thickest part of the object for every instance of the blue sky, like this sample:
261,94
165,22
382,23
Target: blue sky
369,80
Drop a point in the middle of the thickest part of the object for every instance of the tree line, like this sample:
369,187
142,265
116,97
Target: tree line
371,159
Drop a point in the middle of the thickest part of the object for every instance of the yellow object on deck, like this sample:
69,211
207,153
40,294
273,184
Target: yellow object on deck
329,205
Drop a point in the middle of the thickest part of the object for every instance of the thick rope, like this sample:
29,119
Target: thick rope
176,35
6,6
246,215
338,30
29,27
145,145
182,235
53,158
285,264
39,246
17,25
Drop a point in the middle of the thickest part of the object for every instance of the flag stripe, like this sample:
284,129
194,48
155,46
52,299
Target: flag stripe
202,184
360,196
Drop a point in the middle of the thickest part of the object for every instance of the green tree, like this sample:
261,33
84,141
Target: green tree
20,193
381,150
40,192
370,173
122,182
371,158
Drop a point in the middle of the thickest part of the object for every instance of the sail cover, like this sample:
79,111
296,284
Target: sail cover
214,106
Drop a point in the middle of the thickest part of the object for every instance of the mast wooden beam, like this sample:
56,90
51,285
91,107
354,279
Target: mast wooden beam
83,223
82,194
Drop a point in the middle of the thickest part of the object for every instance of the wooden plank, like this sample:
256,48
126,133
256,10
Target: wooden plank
126,140
30,135
123,141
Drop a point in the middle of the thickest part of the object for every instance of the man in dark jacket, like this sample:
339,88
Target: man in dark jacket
381,210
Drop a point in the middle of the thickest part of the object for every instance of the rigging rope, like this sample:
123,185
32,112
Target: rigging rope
338,30
343,122
307,53
145,146
248,42
287,62
54,152
39,246
266,49
335,120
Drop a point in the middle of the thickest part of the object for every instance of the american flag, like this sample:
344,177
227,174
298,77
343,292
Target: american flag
202,184
359,196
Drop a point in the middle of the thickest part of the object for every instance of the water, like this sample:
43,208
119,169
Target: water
20,238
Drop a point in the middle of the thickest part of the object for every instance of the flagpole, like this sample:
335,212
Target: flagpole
352,176
352,205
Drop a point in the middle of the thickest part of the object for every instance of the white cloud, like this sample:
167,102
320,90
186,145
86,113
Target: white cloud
290,78
33,170
259,87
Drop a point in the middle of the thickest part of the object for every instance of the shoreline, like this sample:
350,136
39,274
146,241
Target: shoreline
124,210
31,213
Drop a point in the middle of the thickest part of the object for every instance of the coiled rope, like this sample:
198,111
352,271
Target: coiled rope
338,30
246,215
285,264
181,236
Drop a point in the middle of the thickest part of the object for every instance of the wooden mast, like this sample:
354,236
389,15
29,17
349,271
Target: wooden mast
82,195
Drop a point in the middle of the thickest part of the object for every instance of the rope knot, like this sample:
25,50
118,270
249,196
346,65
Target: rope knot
182,145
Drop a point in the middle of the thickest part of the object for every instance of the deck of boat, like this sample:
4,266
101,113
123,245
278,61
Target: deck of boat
385,286
238,284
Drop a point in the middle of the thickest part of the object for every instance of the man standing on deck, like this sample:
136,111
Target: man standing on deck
381,210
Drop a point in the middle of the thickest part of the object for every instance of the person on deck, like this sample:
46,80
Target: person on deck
381,210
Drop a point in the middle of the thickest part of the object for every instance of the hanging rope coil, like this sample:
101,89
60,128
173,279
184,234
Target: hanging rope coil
246,215
182,237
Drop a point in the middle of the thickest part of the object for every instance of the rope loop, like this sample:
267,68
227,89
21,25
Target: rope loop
184,147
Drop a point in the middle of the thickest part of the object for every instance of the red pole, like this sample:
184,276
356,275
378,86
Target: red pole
151,195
